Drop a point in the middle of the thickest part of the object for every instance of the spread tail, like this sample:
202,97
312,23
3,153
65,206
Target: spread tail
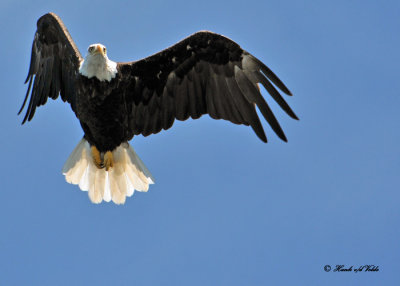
127,175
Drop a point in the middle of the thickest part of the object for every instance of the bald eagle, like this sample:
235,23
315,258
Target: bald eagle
205,73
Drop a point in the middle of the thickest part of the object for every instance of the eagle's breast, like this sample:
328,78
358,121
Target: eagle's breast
99,67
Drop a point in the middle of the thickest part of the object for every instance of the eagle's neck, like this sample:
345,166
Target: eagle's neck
98,66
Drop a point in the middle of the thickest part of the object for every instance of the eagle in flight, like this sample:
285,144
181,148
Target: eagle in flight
205,73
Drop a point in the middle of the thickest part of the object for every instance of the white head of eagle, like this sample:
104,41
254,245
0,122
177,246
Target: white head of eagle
96,63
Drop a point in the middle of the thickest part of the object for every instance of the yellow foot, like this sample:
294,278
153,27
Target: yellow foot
108,160
96,157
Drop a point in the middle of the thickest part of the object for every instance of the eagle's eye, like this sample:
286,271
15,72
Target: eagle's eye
104,50
91,49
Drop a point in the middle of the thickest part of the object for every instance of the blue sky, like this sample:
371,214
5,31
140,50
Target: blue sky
226,208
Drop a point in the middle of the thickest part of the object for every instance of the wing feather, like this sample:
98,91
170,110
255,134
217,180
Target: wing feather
275,94
246,109
205,73
53,67
253,95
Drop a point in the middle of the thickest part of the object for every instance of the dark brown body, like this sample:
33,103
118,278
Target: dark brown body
101,109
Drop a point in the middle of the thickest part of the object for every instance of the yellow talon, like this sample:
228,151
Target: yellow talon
96,157
108,160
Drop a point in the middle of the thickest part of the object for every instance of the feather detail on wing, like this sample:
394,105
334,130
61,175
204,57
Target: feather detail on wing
54,65
205,73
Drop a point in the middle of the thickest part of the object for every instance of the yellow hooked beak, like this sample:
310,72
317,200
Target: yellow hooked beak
99,49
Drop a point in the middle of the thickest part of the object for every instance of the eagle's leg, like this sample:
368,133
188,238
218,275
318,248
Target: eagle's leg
108,160
96,157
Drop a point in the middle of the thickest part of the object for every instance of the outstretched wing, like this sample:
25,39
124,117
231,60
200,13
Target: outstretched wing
54,64
205,73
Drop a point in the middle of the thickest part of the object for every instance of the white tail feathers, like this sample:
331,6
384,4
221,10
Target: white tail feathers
128,174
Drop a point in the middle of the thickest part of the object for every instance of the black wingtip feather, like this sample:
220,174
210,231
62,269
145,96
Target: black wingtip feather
26,96
263,137
253,95
27,78
275,95
257,127
272,76
283,137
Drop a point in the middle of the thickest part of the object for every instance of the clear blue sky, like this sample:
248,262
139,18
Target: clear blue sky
226,208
